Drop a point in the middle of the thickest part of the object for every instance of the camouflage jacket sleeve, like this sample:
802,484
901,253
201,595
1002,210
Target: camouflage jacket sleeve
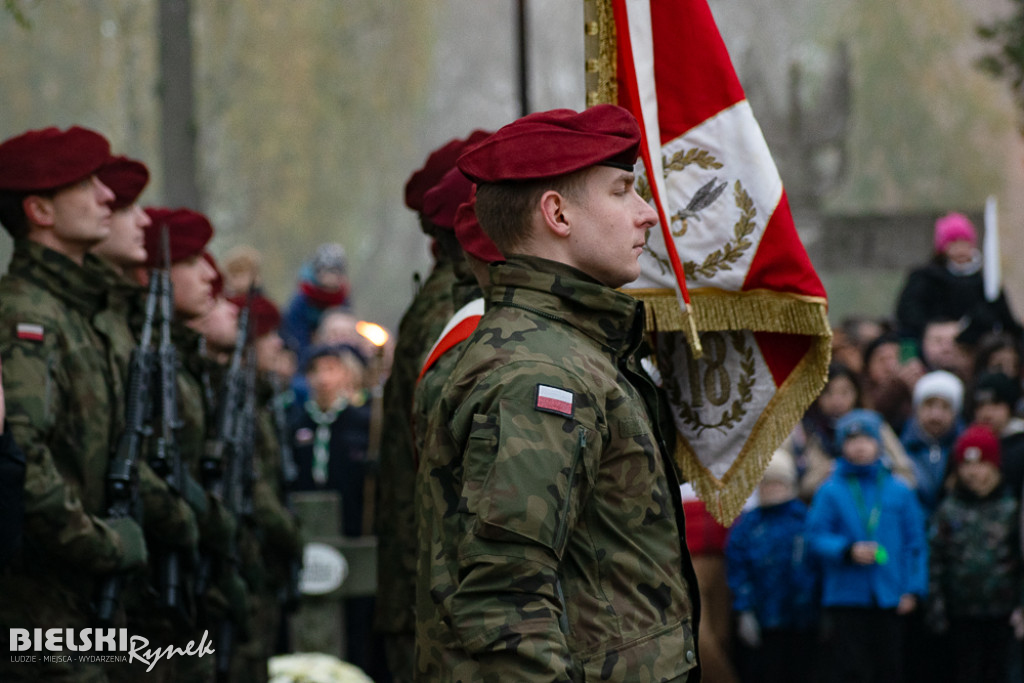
278,525
527,472
57,521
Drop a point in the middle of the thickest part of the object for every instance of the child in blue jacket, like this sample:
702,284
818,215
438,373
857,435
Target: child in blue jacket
867,528
773,583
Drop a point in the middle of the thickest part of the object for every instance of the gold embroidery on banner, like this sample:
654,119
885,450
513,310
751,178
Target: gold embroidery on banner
715,383
682,159
733,250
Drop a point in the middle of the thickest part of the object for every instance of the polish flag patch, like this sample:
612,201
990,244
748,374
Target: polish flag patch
554,400
30,332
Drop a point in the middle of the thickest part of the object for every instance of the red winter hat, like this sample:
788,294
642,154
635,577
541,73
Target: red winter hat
552,143
443,200
188,232
440,161
49,158
264,317
471,236
953,227
978,443
126,178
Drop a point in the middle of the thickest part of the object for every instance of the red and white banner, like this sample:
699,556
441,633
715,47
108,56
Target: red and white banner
726,246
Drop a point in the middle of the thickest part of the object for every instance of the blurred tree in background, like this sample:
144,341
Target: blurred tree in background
1005,60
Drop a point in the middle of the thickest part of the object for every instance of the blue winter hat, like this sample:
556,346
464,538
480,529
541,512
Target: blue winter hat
859,423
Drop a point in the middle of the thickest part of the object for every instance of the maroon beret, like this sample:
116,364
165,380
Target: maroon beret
49,158
552,143
471,236
440,161
188,232
126,178
443,199
264,317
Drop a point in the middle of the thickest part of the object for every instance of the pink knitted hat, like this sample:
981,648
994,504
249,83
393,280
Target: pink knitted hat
953,227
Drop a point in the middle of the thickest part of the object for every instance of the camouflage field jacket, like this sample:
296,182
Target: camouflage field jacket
63,392
396,527
550,528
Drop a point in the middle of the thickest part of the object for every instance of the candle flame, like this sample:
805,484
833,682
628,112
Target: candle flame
376,334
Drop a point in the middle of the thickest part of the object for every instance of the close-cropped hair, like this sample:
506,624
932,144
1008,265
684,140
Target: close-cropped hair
504,209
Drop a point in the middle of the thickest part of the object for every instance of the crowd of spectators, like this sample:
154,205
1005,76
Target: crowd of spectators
884,542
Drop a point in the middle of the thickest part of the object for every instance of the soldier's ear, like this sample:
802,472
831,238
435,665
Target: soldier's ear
38,210
552,207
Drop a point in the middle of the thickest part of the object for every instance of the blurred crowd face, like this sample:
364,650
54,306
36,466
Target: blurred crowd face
995,415
939,347
884,364
838,398
960,252
1004,360
773,492
935,416
330,280
860,450
329,378
981,478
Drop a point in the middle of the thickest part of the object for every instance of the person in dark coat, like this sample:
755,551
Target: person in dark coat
950,287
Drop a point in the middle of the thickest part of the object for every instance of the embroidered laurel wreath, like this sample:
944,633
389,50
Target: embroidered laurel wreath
730,252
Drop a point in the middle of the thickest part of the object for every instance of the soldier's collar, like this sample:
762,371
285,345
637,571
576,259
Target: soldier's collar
561,291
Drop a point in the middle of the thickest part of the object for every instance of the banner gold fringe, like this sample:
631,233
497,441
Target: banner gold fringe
759,311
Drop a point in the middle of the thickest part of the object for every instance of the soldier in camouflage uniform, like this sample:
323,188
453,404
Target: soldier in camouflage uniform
550,524
467,296
220,590
273,541
169,521
419,327
63,392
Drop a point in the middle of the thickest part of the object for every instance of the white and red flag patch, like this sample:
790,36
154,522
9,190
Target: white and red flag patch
554,400
726,244
30,331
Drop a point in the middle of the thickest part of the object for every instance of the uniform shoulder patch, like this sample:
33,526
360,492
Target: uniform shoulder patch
30,331
554,400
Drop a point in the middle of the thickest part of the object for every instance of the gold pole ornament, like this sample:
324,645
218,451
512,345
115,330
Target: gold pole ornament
599,52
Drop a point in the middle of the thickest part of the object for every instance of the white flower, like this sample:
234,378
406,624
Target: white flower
314,667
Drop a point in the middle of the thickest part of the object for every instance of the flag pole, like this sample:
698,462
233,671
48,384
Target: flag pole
524,63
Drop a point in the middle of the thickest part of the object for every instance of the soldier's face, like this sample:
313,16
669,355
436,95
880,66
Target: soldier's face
125,246
80,213
608,222
219,325
193,286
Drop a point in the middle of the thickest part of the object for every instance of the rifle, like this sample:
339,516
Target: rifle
290,594
123,472
220,468
165,457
